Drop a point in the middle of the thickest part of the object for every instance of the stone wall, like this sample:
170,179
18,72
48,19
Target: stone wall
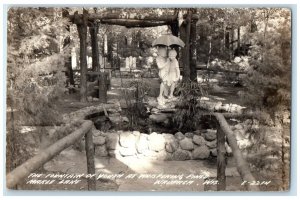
191,145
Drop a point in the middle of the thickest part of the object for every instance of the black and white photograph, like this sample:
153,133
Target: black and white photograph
148,99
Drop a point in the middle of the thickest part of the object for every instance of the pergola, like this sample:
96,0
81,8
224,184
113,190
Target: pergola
186,31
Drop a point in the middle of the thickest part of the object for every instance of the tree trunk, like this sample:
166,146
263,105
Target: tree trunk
227,46
232,43
175,32
193,51
182,55
238,38
68,61
187,74
21,172
82,31
94,43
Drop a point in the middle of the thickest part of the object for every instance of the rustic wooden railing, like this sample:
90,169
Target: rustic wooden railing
242,165
22,171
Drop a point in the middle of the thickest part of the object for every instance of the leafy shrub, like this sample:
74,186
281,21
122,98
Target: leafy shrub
187,115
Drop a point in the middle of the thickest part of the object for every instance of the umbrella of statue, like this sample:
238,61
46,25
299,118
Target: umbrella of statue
168,40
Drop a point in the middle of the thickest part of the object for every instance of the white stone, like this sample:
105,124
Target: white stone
179,136
156,142
182,155
201,152
99,140
211,144
186,144
210,134
136,133
127,151
127,139
142,144
189,134
199,140
171,143
96,132
101,151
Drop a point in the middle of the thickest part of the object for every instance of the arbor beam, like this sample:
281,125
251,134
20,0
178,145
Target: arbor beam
133,23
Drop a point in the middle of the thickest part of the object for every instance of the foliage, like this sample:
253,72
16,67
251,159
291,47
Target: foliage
135,96
35,64
268,83
187,115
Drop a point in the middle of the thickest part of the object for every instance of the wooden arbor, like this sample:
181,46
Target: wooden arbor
187,32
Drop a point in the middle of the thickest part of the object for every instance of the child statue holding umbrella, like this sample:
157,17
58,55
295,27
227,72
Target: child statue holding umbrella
168,67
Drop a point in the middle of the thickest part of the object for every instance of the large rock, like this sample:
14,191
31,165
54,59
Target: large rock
186,144
197,132
199,140
142,143
179,136
201,152
136,133
171,143
180,154
162,155
169,148
127,151
189,134
156,142
99,140
101,151
210,134
96,132
112,141
127,139
211,144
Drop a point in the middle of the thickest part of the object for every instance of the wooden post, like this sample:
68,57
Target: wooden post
221,160
193,50
82,31
90,153
94,42
103,87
